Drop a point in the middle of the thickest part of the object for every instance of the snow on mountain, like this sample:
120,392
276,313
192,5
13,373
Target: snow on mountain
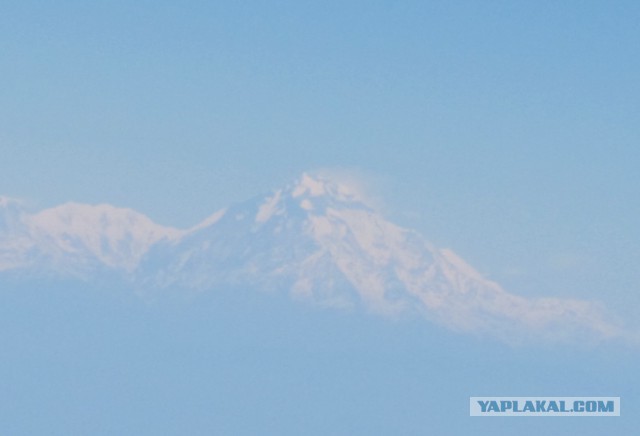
75,239
316,239
320,241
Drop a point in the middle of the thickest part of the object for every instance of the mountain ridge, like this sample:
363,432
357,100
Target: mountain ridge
316,239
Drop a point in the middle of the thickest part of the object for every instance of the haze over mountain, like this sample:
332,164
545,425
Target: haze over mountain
317,239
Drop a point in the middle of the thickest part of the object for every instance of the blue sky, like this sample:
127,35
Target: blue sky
507,131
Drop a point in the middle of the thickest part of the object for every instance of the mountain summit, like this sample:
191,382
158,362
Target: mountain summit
318,240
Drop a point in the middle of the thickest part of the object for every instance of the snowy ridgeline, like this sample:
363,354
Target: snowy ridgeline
316,240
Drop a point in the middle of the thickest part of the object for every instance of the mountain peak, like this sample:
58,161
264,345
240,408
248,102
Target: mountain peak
311,186
342,189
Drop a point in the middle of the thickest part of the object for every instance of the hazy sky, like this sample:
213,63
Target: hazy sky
508,131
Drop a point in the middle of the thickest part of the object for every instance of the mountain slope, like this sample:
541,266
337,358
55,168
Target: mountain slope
320,241
316,239
75,239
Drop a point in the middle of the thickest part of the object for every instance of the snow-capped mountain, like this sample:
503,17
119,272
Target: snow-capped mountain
75,239
316,239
